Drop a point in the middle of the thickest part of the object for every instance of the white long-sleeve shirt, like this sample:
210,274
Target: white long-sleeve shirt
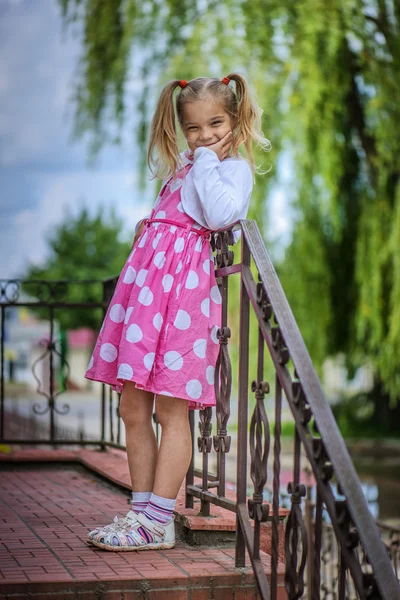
215,194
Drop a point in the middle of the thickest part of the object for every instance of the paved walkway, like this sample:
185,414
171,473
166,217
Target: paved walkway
45,513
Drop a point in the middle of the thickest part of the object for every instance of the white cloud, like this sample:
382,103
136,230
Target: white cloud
25,241
42,172
38,63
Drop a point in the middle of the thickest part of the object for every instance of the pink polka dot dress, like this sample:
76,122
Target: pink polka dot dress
160,330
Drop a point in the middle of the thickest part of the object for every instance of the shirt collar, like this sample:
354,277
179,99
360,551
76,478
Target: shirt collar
188,157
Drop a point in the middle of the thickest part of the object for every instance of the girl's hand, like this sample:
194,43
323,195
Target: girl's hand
138,233
222,147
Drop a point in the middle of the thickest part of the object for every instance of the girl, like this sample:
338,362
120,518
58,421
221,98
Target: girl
159,336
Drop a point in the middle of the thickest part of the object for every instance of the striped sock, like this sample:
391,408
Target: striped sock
140,500
160,509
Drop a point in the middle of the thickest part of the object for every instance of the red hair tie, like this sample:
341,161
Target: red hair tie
183,83
226,80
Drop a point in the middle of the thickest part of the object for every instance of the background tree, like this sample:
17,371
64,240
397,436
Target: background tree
83,248
328,77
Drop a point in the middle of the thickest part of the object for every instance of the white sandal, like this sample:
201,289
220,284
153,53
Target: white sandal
127,538
128,520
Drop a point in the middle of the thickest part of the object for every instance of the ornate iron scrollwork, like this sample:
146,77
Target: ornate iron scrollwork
50,349
280,345
322,459
263,301
204,441
301,403
259,449
294,577
223,386
346,524
370,586
9,291
220,243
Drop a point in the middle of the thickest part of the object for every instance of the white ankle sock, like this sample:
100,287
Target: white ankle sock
160,509
140,501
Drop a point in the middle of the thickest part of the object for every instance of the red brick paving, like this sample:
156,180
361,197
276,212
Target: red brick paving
45,514
112,465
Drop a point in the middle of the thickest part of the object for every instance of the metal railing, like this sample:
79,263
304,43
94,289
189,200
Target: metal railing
330,563
362,559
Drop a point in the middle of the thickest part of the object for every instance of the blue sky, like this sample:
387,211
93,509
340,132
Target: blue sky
42,172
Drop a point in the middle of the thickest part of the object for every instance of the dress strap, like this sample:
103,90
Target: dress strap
202,232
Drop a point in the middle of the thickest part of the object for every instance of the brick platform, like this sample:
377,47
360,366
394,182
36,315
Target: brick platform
45,513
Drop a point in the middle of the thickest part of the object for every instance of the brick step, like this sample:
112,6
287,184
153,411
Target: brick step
192,528
46,509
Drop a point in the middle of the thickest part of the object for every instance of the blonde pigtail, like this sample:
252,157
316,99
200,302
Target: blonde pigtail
163,151
248,127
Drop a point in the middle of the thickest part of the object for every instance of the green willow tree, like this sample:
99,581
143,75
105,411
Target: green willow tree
328,78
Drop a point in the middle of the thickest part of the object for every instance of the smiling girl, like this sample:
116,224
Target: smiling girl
159,337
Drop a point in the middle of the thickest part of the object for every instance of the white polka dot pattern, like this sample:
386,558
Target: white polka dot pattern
192,280
161,327
158,321
134,333
182,320
128,314
149,360
207,266
141,277
215,295
108,352
173,360
117,313
130,275
143,240
167,282
205,307
125,371
159,259
179,244
146,296
214,336
156,240
200,347
210,374
194,389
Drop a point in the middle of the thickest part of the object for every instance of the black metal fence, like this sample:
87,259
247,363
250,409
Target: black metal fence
333,547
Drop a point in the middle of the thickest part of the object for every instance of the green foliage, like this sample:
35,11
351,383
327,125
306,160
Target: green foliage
367,416
84,249
328,78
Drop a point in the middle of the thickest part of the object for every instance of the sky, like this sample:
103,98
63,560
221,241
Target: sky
43,173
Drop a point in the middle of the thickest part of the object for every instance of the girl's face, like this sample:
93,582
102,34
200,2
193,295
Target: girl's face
204,122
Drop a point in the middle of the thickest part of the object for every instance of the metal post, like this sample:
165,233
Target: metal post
190,471
310,558
241,477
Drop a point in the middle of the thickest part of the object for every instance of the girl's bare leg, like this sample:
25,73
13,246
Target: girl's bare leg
136,411
175,450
